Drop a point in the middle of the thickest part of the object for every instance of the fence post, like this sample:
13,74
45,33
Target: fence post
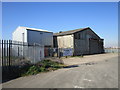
23,50
9,63
34,52
18,49
7,53
0,62
2,53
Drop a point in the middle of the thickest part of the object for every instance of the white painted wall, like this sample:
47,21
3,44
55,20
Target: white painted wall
18,36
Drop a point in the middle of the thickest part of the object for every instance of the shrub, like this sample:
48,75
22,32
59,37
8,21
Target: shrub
48,63
45,65
34,70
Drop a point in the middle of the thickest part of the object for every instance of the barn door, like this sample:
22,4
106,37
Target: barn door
93,46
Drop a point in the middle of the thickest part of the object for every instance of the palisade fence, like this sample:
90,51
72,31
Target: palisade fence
14,52
15,55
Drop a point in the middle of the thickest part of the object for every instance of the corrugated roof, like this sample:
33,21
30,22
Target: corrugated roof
70,32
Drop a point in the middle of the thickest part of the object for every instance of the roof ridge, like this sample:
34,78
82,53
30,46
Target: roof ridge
75,29
71,31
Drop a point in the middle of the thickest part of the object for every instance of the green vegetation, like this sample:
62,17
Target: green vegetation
34,70
42,66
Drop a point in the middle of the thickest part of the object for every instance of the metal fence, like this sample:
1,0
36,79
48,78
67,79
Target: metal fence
112,50
15,54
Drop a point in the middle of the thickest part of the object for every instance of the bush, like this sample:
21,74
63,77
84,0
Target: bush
48,63
42,66
34,70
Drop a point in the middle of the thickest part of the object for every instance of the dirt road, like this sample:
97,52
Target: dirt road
88,58
102,73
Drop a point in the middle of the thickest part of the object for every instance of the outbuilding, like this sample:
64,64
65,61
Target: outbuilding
82,41
33,35
34,43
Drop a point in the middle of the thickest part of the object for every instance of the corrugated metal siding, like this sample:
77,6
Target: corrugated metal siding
93,46
86,46
96,46
81,47
43,38
81,44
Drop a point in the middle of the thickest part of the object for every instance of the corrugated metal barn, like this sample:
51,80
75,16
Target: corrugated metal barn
37,40
33,35
83,41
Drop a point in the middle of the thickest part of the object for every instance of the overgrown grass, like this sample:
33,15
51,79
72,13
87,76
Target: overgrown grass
42,66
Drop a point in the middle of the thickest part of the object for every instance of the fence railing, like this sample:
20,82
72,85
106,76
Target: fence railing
14,53
5,52
112,50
